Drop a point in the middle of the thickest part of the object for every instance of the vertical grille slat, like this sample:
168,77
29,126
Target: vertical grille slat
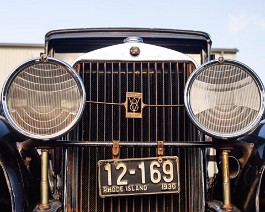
148,102
105,93
141,83
156,102
161,83
119,70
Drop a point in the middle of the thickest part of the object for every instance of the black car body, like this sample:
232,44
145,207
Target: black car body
113,131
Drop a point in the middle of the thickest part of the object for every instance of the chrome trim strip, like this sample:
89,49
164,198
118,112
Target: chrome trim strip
121,52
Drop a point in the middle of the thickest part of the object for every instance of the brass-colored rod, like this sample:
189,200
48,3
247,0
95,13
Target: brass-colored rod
226,179
44,186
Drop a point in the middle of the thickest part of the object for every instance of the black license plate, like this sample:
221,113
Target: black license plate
138,176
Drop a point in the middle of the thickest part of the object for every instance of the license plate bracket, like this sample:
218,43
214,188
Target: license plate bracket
138,176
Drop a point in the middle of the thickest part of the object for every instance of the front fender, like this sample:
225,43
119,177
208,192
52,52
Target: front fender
16,174
247,182
258,135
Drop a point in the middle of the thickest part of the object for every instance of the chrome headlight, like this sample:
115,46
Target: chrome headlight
43,98
224,98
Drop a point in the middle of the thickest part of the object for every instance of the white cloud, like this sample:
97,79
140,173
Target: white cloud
261,24
237,23
240,22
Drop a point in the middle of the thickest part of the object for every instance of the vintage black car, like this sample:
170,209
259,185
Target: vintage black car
141,120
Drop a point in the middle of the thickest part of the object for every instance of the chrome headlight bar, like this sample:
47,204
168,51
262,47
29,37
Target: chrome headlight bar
43,98
224,98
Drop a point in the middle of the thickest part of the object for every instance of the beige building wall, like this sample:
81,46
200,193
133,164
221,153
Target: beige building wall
225,53
12,55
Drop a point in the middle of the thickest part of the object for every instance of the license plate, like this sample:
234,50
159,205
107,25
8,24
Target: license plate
138,176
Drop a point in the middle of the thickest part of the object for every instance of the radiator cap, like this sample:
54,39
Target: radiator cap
133,39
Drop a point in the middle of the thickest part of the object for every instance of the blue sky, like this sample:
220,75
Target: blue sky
231,24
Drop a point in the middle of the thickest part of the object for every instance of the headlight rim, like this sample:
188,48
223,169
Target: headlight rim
27,64
224,136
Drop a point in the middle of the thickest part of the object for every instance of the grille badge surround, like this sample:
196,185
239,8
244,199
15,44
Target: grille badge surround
134,105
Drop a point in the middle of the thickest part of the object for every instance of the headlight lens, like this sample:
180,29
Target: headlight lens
224,98
43,99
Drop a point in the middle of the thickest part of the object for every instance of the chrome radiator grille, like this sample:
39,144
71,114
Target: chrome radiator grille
160,83
164,118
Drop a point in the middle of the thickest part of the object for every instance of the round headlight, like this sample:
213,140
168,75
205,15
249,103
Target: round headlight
43,98
224,98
